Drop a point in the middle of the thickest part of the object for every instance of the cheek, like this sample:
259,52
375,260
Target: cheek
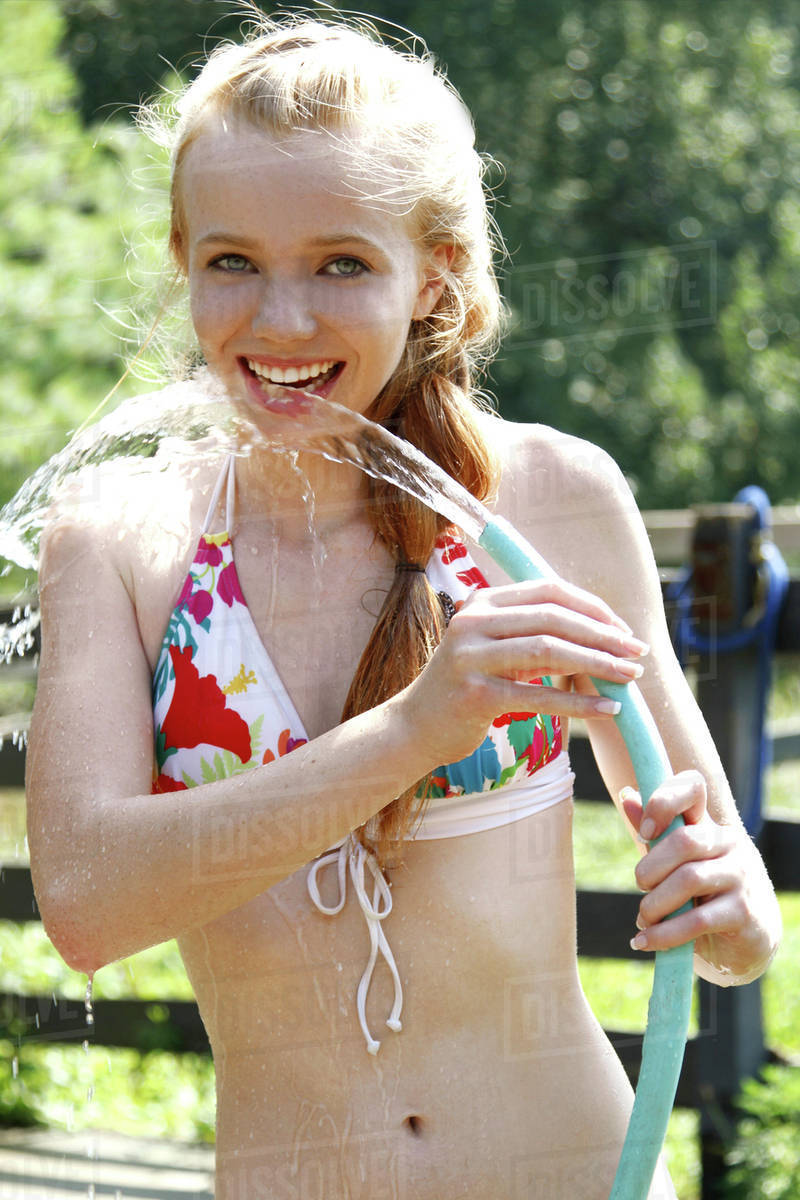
215,311
378,315
201,308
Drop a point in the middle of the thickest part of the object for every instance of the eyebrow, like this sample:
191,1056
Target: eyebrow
323,240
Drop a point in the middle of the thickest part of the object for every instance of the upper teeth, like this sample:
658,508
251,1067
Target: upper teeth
290,374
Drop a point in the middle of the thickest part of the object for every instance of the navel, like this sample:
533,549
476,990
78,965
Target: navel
414,1125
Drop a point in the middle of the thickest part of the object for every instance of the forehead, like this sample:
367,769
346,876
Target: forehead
238,172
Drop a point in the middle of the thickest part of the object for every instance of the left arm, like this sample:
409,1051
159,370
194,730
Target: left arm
711,861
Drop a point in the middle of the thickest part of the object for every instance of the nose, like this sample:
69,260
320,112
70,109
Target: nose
285,311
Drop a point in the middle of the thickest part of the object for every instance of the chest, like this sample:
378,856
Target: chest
309,608
314,615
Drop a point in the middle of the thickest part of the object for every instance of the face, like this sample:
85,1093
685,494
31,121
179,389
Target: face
292,279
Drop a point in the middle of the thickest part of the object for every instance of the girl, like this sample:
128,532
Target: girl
326,875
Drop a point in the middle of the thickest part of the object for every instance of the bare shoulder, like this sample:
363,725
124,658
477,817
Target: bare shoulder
122,529
120,512
570,499
562,469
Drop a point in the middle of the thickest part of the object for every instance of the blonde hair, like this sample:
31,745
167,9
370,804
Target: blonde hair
410,134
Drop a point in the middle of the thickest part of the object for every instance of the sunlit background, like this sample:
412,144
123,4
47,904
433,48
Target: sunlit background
647,186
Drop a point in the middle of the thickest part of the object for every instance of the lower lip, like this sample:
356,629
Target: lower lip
291,401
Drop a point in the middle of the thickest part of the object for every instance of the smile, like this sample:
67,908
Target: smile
303,376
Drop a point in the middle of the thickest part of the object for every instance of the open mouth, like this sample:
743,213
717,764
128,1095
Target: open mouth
311,377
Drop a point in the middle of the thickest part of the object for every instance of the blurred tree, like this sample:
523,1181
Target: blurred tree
69,219
649,203
121,49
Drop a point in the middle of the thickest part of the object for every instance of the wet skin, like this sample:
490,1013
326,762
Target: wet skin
506,1075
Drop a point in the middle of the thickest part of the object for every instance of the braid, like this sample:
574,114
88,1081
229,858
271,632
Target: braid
436,415
411,145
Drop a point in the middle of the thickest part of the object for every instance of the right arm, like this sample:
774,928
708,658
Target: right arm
117,869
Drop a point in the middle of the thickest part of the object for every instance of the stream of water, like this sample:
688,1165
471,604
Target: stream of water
196,419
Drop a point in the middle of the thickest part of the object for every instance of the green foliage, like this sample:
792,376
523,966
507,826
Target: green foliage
129,1091
31,966
765,1157
651,151
158,1094
70,215
649,203
118,49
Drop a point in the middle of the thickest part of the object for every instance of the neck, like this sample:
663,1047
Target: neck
304,495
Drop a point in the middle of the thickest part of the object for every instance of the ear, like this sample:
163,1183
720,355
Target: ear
435,268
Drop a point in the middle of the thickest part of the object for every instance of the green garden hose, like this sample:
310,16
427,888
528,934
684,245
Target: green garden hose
670,1000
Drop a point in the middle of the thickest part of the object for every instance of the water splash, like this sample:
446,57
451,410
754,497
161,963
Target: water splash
87,1001
158,426
195,418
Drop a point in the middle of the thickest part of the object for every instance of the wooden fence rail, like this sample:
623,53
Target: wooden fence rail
730,1043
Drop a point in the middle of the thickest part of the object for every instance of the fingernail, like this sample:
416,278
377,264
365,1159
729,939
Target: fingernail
637,647
628,793
647,828
639,942
608,706
631,670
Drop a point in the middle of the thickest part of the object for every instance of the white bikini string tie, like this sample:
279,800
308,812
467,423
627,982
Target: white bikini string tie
351,854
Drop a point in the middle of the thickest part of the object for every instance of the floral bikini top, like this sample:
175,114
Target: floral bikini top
220,707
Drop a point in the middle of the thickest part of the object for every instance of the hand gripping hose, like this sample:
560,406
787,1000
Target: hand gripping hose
670,1000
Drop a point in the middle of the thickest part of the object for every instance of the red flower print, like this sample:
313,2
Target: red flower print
165,783
450,547
200,606
507,718
541,750
228,588
198,711
286,744
208,552
474,577
542,747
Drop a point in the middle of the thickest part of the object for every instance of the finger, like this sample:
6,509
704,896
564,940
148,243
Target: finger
686,844
556,620
544,654
719,915
694,881
683,795
510,696
558,591
632,807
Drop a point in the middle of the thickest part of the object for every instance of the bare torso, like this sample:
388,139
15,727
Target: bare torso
501,1083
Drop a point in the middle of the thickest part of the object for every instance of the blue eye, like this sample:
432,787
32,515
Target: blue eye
235,264
346,267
